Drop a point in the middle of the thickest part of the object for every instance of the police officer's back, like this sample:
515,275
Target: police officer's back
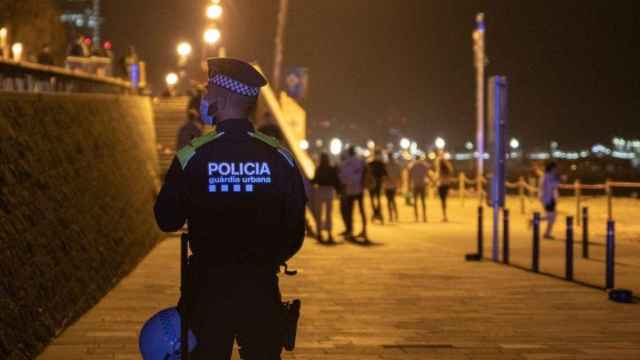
243,198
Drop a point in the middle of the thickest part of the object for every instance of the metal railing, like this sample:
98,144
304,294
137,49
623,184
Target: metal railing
30,77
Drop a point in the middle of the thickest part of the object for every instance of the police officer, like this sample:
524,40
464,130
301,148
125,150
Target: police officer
242,196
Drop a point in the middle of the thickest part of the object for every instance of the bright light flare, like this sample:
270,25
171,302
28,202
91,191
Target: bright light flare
440,143
304,144
184,49
171,79
335,146
514,143
212,36
16,49
214,11
405,143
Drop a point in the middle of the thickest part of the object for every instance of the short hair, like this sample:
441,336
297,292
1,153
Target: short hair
550,166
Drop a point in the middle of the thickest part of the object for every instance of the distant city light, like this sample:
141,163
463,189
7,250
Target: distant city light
468,145
319,143
214,11
304,144
16,49
405,143
184,49
371,144
432,156
440,143
335,146
514,143
212,35
554,145
413,148
171,79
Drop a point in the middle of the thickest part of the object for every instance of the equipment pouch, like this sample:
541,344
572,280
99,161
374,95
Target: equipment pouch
291,311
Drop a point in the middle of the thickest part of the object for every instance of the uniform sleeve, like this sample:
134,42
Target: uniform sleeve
293,215
170,209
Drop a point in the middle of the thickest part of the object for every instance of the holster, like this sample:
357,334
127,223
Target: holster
291,312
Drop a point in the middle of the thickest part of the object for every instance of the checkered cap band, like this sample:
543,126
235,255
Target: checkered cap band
233,85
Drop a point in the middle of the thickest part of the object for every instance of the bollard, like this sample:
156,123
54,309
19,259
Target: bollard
611,248
505,236
585,232
184,325
578,194
480,232
609,192
521,184
535,256
569,249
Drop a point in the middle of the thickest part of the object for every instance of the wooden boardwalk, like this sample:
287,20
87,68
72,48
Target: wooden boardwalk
409,296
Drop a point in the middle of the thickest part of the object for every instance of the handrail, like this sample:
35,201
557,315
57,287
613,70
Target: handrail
20,69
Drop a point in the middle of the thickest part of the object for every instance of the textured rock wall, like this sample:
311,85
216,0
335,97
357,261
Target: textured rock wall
78,177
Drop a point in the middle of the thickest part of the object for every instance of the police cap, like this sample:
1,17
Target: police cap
235,75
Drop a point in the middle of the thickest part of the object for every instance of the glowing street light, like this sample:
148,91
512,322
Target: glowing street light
304,144
405,143
469,145
171,79
371,144
16,49
514,143
214,11
212,35
440,143
335,146
184,49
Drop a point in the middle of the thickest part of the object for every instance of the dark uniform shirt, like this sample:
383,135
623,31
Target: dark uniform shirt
242,195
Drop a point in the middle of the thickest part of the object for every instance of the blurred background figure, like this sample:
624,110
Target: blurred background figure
326,178
392,183
444,179
548,196
44,56
351,173
417,182
191,129
376,172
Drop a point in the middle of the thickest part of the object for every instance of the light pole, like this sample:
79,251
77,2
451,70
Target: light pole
480,63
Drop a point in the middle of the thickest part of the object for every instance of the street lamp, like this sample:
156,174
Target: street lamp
514,143
440,143
214,11
304,144
371,144
212,35
184,49
171,79
335,146
469,145
405,143
16,49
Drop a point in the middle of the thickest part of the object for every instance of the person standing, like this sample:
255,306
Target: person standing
190,130
417,182
445,177
376,171
242,227
392,183
548,196
352,172
326,178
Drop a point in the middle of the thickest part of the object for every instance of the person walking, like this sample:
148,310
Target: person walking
548,196
392,183
242,196
417,182
351,173
444,180
326,178
377,172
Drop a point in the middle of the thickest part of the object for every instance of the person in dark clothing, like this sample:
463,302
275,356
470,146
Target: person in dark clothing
377,172
44,56
243,198
326,178
445,177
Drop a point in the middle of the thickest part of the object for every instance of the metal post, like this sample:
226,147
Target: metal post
609,200
585,232
495,246
461,187
480,232
521,194
569,249
480,63
611,247
505,236
184,325
578,194
535,256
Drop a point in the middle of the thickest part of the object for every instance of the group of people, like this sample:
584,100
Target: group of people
353,175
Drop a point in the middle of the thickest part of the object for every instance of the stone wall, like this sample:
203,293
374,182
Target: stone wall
78,178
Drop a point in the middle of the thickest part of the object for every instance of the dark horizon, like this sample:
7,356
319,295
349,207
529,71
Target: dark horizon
571,66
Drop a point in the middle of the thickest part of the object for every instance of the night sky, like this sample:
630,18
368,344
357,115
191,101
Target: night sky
573,66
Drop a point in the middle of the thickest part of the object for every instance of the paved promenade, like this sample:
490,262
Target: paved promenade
408,296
